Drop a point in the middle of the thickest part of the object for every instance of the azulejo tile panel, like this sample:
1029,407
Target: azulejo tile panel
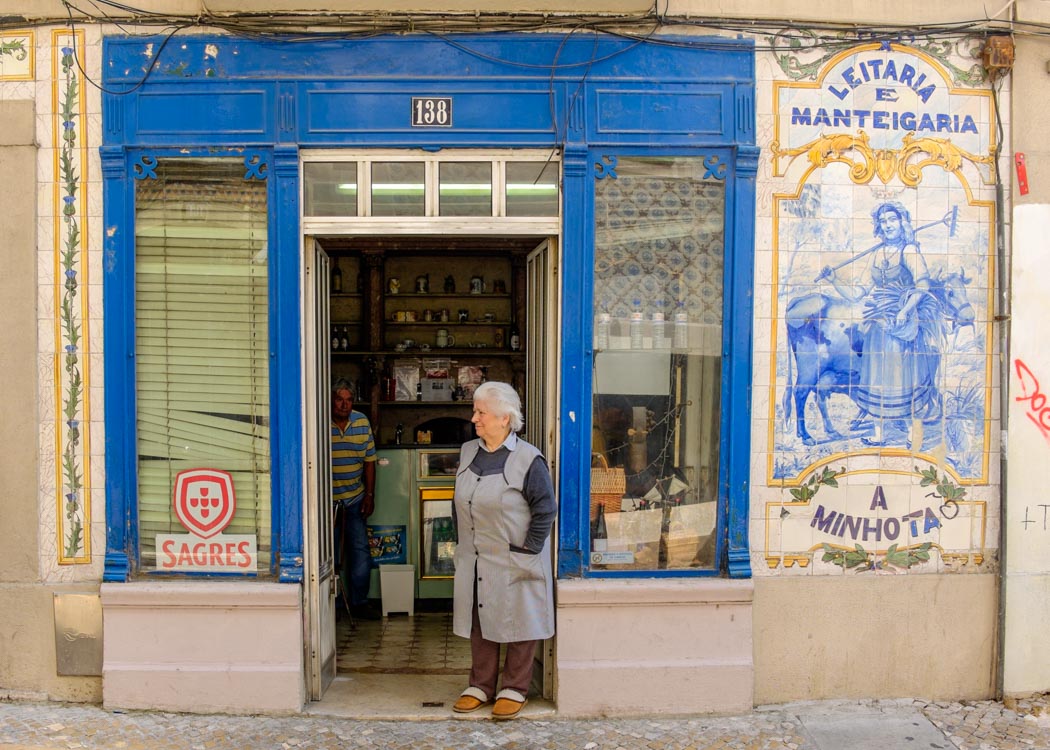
16,56
880,384
71,373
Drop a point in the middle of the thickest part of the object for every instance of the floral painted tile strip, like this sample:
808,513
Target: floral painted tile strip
16,58
69,141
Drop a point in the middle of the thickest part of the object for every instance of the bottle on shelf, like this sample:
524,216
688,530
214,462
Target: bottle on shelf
601,331
658,325
681,327
599,532
399,431
337,277
335,339
515,338
635,329
344,340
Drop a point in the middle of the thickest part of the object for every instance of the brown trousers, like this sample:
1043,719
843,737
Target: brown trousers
484,660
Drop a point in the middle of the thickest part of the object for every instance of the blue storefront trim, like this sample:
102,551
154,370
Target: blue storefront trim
587,96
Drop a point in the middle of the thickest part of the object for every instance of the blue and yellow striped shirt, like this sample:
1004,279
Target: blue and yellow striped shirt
350,450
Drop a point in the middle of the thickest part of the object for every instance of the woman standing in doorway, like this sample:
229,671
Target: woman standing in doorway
504,587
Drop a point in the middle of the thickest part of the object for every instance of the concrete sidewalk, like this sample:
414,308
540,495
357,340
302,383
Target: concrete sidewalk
845,725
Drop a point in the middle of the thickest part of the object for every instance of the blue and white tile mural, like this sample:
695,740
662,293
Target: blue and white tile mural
883,238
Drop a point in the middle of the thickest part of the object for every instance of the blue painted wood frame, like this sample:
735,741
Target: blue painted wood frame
732,553
584,94
120,169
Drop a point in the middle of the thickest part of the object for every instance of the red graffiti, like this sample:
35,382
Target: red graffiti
1038,408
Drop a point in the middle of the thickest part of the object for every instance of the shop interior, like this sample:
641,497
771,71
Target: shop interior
416,324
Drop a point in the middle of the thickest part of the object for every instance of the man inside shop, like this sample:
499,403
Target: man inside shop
353,493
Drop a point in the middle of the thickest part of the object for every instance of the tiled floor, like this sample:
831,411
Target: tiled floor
398,644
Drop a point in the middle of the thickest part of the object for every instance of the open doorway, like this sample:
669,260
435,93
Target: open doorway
415,324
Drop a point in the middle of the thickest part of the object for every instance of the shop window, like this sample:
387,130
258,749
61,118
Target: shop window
465,188
658,295
532,188
330,188
202,363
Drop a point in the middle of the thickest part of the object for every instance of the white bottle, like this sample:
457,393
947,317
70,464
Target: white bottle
681,328
601,331
658,325
637,319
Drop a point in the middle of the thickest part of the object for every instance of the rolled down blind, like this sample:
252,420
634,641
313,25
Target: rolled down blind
201,314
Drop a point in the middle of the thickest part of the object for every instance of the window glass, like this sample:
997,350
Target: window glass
330,189
658,279
202,368
465,188
532,188
397,188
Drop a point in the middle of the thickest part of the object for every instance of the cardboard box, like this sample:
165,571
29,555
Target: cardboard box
437,389
634,540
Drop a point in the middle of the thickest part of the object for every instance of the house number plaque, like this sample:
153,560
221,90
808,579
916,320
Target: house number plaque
432,111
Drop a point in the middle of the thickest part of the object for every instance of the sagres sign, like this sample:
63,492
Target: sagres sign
205,503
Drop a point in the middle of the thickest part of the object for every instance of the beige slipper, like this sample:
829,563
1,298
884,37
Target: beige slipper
470,700
508,704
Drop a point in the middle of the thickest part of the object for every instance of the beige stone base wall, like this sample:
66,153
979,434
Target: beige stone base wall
654,646
27,647
823,637
203,647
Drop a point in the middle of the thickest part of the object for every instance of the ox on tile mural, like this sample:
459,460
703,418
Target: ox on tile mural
883,232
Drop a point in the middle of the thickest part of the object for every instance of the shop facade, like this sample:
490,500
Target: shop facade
754,288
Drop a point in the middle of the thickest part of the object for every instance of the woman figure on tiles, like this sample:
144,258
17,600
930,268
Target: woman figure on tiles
504,587
899,356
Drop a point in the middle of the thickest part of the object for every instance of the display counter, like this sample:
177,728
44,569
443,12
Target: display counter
414,489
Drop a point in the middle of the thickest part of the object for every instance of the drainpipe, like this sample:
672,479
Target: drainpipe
1002,319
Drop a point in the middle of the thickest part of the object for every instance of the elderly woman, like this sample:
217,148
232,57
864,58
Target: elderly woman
504,592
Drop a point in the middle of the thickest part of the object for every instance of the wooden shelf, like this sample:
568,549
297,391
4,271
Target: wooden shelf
427,403
445,295
433,351
370,317
450,351
449,323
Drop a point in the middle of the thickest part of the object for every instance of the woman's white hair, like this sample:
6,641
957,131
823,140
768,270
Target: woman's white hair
503,400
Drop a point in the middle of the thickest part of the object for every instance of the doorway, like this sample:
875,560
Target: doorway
414,322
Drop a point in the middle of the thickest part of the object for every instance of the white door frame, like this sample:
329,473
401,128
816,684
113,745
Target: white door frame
320,588
319,566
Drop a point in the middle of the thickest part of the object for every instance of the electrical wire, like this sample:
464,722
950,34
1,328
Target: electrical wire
134,87
455,30
350,25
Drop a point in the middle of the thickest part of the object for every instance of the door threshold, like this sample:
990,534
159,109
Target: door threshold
405,697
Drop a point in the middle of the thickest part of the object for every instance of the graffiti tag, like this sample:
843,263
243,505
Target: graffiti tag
1028,521
1038,408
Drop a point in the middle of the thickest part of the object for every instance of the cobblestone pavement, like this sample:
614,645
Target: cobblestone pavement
985,725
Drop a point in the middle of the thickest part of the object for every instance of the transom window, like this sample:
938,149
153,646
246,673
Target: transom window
519,184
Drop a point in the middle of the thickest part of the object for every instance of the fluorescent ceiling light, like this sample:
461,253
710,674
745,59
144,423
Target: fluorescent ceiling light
397,187
529,187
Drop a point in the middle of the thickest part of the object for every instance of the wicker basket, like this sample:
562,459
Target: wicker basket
607,486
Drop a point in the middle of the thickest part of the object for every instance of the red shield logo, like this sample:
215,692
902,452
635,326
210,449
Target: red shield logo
204,501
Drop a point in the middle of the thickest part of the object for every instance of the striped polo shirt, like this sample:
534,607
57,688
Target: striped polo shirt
350,450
